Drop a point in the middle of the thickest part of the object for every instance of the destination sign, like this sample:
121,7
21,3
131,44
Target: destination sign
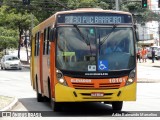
94,18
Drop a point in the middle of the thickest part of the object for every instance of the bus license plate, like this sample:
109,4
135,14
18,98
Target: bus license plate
97,94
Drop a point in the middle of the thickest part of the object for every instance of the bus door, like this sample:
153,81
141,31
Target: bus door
45,61
41,62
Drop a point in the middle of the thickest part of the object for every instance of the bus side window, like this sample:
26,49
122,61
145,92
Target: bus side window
35,51
44,42
38,44
48,46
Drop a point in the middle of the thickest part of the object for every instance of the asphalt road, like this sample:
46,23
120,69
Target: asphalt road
148,74
16,83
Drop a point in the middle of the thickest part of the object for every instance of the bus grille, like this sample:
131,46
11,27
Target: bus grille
109,85
83,86
93,86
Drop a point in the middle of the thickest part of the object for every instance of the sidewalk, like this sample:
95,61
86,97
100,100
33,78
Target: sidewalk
148,72
7,103
25,64
149,63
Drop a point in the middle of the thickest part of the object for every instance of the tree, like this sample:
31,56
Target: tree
8,36
87,3
43,9
14,19
7,42
141,15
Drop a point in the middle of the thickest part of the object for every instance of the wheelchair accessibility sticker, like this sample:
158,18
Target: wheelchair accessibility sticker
102,65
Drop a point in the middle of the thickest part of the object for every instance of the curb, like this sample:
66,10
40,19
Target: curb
26,66
11,105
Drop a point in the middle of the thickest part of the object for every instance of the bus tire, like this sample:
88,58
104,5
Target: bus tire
117,105
39,96
56,106
49,91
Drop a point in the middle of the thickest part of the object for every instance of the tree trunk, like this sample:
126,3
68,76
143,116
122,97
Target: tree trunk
19,46
26,45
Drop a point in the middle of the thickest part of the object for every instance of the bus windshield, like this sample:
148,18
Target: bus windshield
96,49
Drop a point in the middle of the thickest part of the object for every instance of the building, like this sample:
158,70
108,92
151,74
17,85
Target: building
149,34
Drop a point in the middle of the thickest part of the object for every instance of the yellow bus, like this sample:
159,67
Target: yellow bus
85,55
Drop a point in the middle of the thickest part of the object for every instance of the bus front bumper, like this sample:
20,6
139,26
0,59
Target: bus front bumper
68,94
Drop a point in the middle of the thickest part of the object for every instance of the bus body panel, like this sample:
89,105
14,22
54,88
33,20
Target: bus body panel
36,73
37,61
32,63
45,72
40,62
52,69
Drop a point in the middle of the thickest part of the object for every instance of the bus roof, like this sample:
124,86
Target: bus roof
92,10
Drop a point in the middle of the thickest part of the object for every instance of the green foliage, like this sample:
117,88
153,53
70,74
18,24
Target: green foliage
8,42
87,4
1,54
8,38
13,24
8,32
141,15
43,9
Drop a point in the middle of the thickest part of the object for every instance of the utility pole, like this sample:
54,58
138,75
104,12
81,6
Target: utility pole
144,38
117,4
159,31
110,5
26,44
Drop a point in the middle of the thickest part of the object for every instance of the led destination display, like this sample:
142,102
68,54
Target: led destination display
94,18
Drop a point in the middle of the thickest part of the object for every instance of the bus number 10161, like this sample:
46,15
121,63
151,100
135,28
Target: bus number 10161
117,80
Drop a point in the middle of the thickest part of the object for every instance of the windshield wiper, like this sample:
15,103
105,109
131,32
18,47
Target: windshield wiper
105,38
81,34
86,40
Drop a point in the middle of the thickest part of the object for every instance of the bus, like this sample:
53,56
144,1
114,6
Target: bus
85,55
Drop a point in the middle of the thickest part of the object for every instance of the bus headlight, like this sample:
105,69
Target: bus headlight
60,78
131,77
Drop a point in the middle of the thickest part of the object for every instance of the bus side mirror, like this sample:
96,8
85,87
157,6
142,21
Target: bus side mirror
136,33
52,35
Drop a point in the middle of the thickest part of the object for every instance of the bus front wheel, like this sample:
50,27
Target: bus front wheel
40,98
117,105
56,106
